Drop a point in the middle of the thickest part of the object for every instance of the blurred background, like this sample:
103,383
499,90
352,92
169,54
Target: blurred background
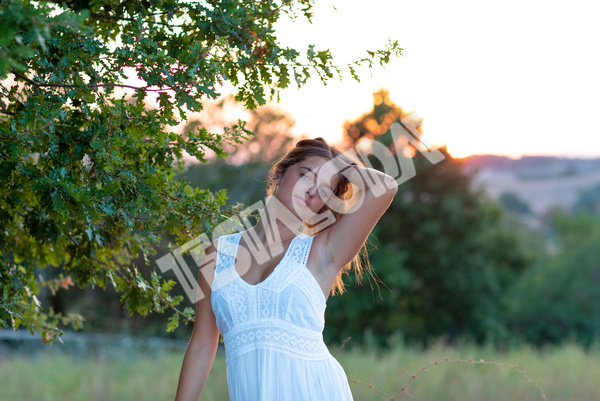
493,253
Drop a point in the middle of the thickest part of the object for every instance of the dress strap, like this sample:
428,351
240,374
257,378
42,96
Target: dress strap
227,247
301,249
306,251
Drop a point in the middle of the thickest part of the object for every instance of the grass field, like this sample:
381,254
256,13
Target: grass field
565,373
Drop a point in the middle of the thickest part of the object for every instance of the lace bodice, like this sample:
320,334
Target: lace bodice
284,313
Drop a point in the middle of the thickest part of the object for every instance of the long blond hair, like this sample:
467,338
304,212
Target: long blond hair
318,147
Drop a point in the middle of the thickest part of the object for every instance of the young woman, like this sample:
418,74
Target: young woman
270,284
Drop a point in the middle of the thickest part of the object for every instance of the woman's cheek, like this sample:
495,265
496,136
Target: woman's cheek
299,188
317,205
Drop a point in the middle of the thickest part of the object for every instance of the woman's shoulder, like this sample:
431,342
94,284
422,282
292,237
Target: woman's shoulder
226,239
218,245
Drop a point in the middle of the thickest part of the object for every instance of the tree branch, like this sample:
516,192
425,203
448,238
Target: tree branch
44,85
171,196
119,18
73,240
24,78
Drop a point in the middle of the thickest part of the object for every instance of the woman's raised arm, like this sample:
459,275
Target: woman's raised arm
345,238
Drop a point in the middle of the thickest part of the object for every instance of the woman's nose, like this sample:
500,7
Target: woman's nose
312,190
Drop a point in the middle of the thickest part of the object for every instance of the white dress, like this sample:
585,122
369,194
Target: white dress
273,331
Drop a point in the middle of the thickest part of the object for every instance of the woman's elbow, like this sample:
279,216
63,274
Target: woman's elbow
383,194
390,185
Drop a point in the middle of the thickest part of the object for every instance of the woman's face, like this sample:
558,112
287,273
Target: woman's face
306,186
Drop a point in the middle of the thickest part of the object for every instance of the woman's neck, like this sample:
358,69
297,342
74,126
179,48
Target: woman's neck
277,224
273,233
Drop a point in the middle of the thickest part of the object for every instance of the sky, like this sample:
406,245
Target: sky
510,78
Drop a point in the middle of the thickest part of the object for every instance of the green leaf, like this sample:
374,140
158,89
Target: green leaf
57,202
173,323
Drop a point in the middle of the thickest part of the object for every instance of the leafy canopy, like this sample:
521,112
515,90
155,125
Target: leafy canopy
87,168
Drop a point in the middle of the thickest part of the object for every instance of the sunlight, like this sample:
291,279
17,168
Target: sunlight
480,88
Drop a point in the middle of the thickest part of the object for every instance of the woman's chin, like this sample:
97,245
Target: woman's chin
303,212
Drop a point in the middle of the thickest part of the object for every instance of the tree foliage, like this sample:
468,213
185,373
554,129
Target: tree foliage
512,203
558,299
245,186
589,201
88,168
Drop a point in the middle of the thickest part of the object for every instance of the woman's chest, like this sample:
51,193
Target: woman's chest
298,301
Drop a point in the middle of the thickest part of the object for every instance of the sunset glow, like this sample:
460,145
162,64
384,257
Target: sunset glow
480,86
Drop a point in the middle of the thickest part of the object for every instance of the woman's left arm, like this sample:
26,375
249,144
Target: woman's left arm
345,238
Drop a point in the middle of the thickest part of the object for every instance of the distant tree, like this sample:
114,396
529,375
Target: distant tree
270,125
512,203
558,299
243,172
86,175
444,255
588,201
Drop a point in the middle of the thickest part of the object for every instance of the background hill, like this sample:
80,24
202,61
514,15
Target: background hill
543,182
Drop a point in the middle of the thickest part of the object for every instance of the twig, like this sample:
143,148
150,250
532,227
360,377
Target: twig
372,387
344,343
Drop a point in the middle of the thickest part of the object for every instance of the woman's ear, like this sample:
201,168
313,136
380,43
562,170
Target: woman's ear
277,175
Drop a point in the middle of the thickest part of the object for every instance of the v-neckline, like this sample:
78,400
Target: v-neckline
285,256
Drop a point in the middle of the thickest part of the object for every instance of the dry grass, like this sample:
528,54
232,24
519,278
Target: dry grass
564,373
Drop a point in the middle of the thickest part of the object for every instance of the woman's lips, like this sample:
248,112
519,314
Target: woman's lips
302,200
